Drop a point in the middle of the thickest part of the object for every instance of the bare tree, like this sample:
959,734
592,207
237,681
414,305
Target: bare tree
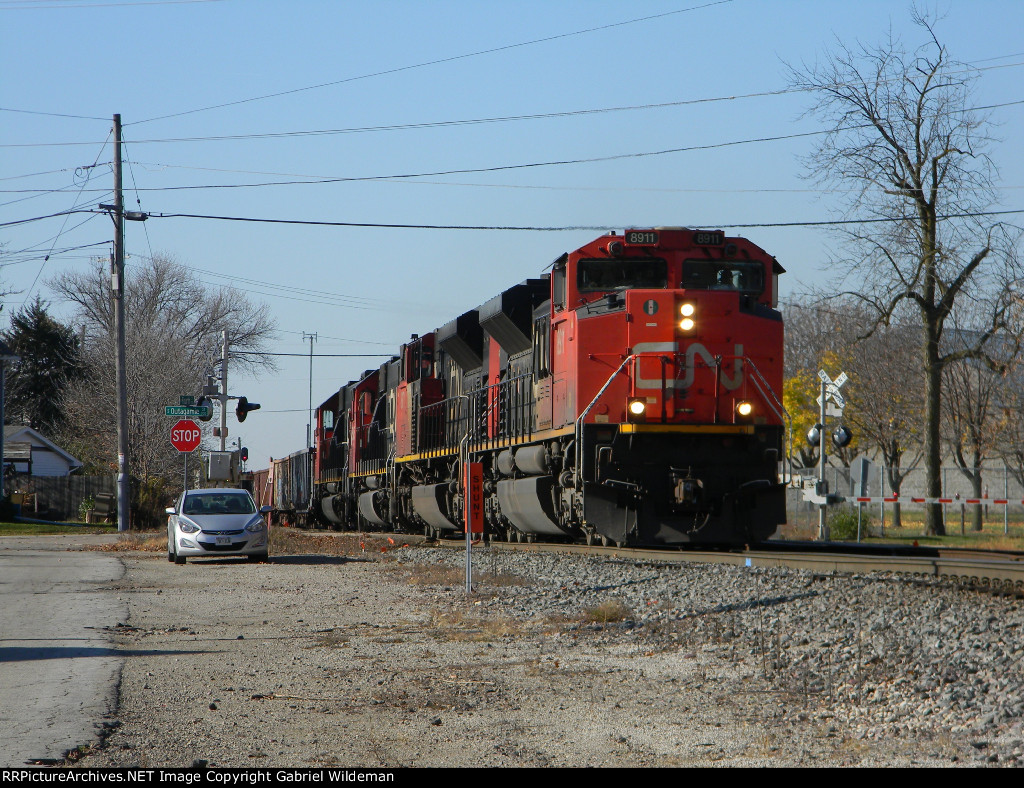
887,415
903,134
173,333
969,405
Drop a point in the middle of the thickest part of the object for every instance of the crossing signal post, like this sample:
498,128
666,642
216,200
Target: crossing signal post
831,403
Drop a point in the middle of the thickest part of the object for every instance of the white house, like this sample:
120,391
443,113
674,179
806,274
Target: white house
34,454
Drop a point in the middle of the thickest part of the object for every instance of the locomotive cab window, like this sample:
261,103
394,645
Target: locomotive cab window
746,277
621,274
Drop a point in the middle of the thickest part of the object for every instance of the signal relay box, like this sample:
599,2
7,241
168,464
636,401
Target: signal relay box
222,466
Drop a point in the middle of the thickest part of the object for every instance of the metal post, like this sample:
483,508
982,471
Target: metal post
881,494
119,363
309,427
3,468
224,392
945,494
1006,496
822,508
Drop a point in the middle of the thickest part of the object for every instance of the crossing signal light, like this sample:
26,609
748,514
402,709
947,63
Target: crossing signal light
244,454
243,408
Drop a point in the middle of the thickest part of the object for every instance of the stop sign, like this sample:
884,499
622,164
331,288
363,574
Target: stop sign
186,435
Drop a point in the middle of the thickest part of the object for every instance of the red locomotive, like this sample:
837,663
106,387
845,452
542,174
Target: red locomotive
633,395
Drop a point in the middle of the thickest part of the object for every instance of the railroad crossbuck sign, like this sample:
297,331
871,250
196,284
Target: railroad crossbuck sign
186,435
832,392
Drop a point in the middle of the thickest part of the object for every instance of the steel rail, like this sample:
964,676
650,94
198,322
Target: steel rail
988,571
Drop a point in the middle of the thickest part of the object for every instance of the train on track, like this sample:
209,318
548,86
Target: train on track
630,395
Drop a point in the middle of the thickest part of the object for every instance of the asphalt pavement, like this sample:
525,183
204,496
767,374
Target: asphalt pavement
58,668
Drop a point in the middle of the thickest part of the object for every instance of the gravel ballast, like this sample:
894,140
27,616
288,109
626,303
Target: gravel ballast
381,659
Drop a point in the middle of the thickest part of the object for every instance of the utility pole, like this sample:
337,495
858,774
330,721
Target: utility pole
119,214
117,285
309,427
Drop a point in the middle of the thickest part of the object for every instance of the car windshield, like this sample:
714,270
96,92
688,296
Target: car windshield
218,503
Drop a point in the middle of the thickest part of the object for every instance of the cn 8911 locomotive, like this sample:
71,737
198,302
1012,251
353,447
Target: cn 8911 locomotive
633,395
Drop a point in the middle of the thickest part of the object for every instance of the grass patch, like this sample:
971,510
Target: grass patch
48,529
454,625
134,541
606,613
290,541
455,576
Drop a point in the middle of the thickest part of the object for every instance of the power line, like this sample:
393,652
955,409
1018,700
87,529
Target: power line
437,61
533,165
315,355
567,228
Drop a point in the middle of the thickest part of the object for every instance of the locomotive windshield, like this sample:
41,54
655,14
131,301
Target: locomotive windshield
745,277
621,273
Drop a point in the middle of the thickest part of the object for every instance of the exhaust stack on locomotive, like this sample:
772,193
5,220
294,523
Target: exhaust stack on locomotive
632,396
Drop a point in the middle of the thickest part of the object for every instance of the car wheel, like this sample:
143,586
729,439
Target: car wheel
178,559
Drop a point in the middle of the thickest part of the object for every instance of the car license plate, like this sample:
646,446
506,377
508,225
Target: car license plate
223,540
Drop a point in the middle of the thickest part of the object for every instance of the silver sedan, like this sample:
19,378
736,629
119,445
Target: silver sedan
217,522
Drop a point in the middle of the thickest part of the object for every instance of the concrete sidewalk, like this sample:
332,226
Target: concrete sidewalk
58,668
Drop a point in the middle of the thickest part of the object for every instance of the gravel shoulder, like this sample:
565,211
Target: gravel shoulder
380,659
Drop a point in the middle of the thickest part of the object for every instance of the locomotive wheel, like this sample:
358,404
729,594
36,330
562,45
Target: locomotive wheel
520,537
605,541
590,538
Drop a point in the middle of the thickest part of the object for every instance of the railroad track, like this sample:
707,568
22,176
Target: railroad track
999,572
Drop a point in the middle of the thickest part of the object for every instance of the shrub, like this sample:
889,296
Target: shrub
87,505
842,523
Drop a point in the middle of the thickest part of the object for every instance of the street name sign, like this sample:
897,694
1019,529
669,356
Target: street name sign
188,411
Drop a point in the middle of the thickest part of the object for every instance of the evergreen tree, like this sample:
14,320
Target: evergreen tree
49,353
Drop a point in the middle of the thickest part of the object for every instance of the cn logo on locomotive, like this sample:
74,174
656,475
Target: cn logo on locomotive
730,382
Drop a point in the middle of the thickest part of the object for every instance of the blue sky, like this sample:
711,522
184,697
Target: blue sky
231,92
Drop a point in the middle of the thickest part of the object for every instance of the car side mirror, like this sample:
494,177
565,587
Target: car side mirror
169,510
266,509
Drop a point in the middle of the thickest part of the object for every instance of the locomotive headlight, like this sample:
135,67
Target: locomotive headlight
636,408
744,408
687,311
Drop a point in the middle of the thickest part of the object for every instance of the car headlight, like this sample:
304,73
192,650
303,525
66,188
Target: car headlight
256,525
186,526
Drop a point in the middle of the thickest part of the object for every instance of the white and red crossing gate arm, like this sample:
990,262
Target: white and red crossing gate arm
955,499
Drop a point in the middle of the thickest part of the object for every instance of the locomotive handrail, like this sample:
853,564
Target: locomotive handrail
773,402
580,455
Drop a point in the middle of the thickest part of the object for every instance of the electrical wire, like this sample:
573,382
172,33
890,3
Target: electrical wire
437,61
60,232
568,228
534,165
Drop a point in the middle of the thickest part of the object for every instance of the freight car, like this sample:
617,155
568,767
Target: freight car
290,482
632,395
